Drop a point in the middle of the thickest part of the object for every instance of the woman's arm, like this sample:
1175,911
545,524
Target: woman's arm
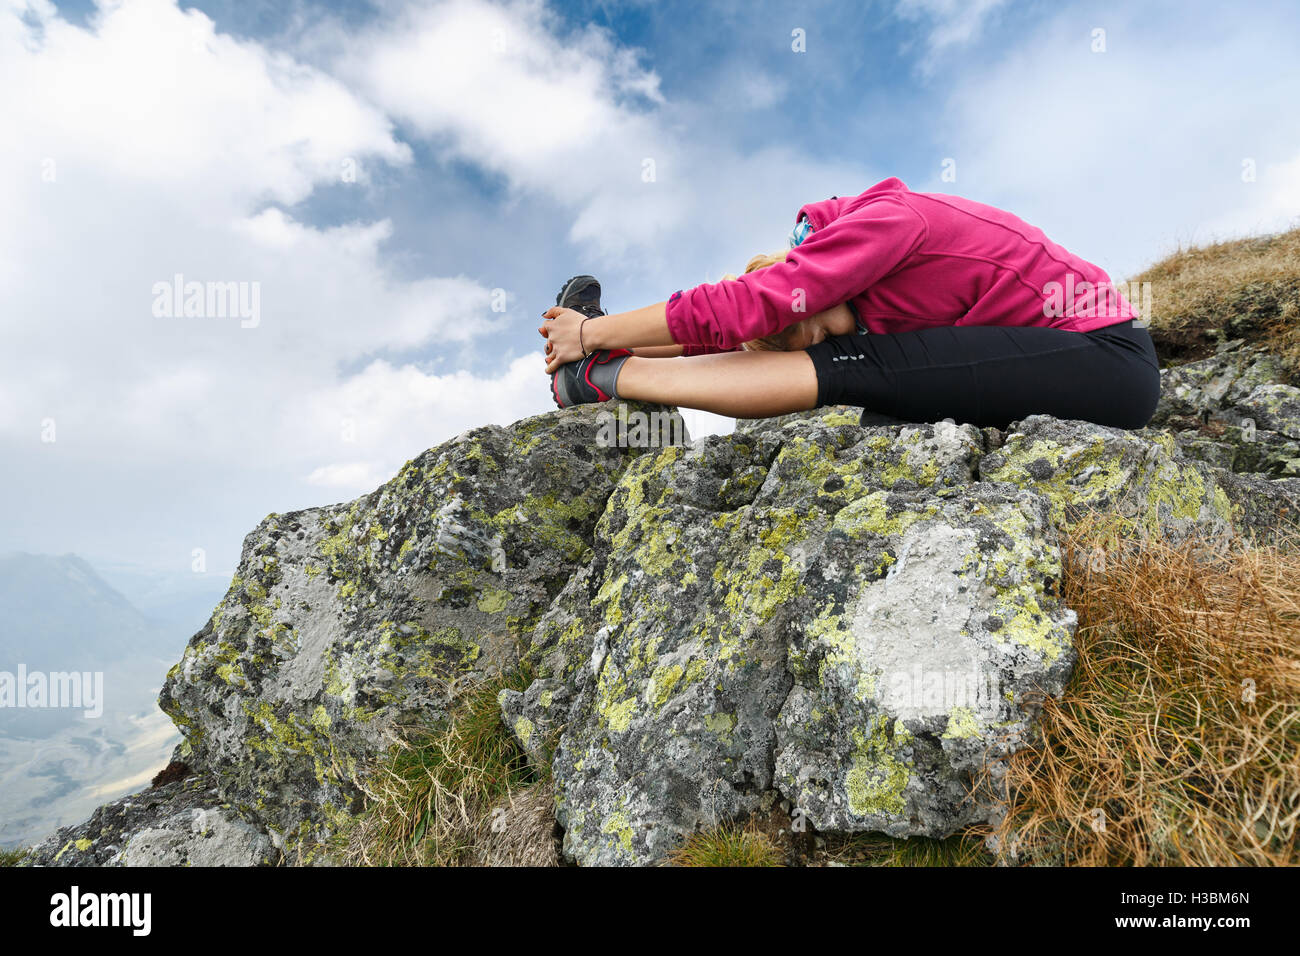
569,335
833,265
627,330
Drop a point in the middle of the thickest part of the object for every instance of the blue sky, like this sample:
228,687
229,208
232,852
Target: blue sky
498,148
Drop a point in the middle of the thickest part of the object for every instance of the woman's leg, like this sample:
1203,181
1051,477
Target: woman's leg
994,375
741,384
985,375
978,373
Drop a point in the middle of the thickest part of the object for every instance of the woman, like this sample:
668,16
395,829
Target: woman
918,306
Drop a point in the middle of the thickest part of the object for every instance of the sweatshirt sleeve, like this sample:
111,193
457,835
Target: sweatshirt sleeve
831,266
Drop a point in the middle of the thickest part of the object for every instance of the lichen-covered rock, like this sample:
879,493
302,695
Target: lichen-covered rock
1197,389
907,684
680,668
1264,509
343,620
1275,408
739,628
184,823
1079,466
1232,410
535,715
830,414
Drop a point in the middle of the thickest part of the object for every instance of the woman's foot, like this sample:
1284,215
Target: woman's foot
582,294
588,380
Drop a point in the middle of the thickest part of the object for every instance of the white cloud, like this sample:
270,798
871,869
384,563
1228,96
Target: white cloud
153,95
387,413
1268,202
570,117
757,90
148,145
499,82
578,119
1124,154
951,22
349,475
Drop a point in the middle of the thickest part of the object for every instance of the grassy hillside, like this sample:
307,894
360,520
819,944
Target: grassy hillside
1243,288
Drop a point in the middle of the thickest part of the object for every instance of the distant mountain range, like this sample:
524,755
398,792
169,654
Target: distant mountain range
180,601
57,613
60,613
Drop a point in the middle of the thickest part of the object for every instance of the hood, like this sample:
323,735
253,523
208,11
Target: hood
827,210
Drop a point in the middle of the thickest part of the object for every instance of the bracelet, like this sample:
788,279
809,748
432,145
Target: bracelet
585,353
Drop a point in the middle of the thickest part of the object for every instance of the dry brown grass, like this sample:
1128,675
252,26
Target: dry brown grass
1178,740
875,849
1243,288
520,831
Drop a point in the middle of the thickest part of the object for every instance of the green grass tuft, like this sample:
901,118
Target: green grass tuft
429,798
728,846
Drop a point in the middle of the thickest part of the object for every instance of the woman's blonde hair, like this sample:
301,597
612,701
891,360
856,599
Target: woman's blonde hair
777,341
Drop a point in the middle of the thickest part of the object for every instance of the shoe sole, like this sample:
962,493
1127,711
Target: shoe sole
555,391
569,287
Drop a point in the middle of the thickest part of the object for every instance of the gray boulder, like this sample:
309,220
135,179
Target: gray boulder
344,621
1234,411
184,823
842,615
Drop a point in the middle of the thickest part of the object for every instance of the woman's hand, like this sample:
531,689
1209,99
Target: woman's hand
563,338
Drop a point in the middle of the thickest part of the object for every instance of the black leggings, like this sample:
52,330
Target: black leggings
993,375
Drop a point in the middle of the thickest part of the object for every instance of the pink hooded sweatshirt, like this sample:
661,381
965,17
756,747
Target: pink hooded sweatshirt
904,260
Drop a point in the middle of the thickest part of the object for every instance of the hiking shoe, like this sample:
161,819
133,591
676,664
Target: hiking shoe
582,294
588,380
